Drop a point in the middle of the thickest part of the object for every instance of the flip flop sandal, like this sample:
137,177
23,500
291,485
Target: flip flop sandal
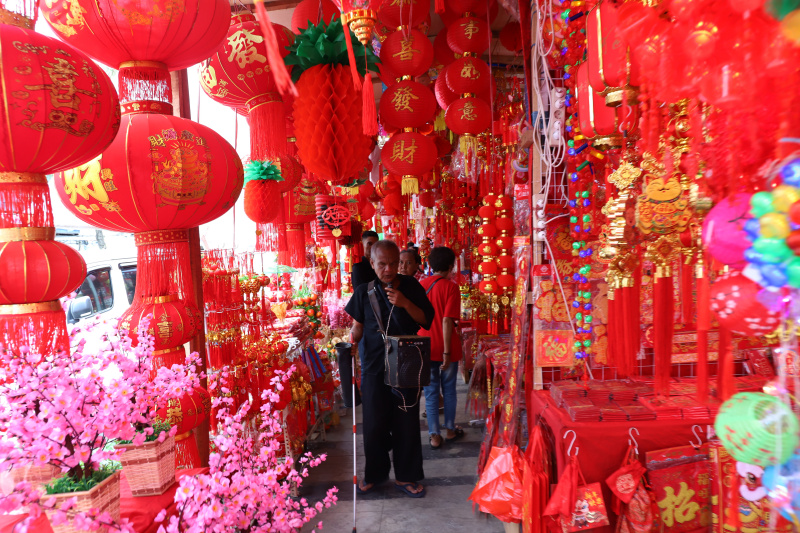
405,489
431,442
361,491
459,432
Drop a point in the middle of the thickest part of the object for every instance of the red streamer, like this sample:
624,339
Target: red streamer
663,306
351,57
725,384
282,78
369,115
703,325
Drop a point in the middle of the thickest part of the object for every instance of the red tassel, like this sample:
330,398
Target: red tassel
41,328
26,204
725,385
187,456
351,57
612,349
703,325
687,307
369,115
439,6
663,308
296,244
268,130
164,269
274,58
628,318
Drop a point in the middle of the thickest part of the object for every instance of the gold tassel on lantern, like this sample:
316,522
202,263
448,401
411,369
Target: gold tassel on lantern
410,185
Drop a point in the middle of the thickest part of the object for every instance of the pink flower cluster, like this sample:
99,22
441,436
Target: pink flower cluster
249,485
66,410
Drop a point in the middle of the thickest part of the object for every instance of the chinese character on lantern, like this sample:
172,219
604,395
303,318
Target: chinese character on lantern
470,28
85,181
243,49
468,111
469,71
406,51
402,98
402,153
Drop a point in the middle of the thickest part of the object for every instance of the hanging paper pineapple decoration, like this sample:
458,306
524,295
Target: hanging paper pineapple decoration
328,108
262,191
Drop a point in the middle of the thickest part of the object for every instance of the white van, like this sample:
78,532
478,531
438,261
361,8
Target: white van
108,290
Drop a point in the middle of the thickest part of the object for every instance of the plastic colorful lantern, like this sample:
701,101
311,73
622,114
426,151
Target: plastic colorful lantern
734,299
144,40
612,74
409,154
757,429
238,76
598,122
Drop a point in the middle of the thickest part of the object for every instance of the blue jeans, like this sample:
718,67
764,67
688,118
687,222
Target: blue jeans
446,381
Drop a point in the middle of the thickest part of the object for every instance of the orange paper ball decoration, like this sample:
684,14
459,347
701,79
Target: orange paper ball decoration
38,271
327,119
60,108
409,154
427,199
511,37
113,32
307,12
161,172
469,35
469,75
444,95
407,53
172,324
262,200
407,104
468,116
404,13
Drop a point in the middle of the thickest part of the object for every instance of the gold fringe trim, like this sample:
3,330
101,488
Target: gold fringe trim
410,185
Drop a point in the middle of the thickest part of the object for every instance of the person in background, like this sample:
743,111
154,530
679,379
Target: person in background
388,423
410,263
445,296
362,271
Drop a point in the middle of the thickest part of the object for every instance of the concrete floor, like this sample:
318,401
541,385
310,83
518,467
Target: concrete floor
450,476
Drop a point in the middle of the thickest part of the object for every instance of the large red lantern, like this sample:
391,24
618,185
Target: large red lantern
404,13
469,35
407,104
611,71
238,75
597,121
407,53
37,270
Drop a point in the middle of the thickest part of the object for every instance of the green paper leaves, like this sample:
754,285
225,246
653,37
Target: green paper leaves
262,170
324,44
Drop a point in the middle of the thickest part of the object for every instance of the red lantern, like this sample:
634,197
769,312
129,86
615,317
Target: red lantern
734,299
172,323
407,53
611,71
407,104
394,204
477,7
37,270
307,12
404,13
488,287
186,413
427,199
469,35
409,154
444,95
333,217
597,121
468,116
441,50
328,126
238,75
511,37
161,172
469,75
60,108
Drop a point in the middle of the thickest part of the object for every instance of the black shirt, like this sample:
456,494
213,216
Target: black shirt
362,273
371,347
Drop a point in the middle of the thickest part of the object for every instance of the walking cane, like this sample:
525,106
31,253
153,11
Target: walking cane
355,457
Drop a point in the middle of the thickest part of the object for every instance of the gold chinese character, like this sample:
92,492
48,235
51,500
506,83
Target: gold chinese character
109,186
678,507
468,111
470,28
243,49
85,181
406,52
402,98
156,140
174,413
469,71
164,326
402,153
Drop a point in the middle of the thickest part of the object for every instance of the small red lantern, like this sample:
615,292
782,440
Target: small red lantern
404,13
469,116
308,12
407,53
172,323
262,200
37,270
611,71
427,199
469,75
511,37
409,154
441,50
469,35
407,104
186,413
444,95
488,287
597,121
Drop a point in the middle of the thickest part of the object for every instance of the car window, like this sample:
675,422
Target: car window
97,286
129,277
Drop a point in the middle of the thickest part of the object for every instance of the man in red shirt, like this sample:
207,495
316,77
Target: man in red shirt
445,297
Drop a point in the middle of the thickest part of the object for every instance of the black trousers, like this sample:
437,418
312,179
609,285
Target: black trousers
386,427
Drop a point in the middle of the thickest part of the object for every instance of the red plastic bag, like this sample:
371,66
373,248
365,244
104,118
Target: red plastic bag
499,489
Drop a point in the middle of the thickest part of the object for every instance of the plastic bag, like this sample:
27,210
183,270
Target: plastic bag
499,489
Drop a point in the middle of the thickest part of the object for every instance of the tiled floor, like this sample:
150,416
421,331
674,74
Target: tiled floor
450,476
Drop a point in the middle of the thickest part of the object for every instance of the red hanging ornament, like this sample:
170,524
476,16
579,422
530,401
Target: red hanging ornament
511,37
444,95
307,13
407,53
469,35
441,49
404,13
407,104
734,299
409,154
172,323
612,74
34,268
469,75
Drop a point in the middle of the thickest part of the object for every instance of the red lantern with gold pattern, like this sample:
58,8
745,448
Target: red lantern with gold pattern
407,104
407,53
468,116
612,74
172,323
409,154
396,13
469,35
186,413
37,270
469,75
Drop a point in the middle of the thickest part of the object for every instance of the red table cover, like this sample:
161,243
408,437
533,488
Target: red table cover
140,511
602,445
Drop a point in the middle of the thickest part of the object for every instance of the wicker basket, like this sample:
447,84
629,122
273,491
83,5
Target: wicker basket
38,475
149,467
103,497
